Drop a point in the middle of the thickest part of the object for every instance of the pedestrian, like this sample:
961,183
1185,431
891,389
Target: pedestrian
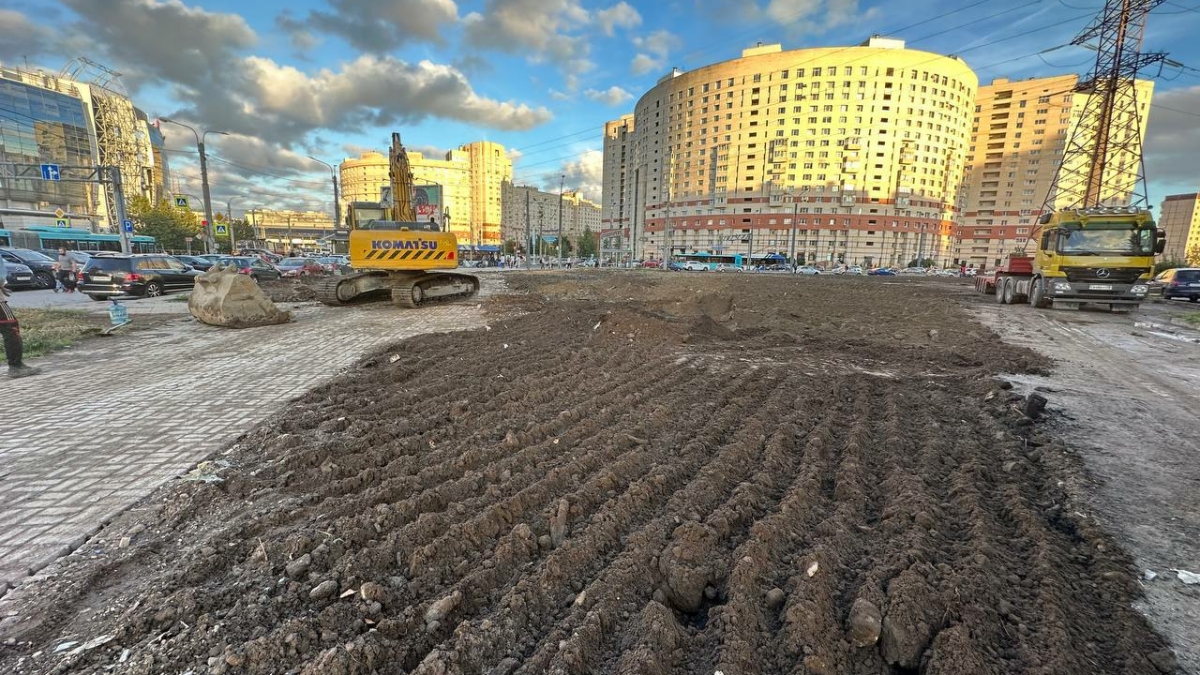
67,271
11,332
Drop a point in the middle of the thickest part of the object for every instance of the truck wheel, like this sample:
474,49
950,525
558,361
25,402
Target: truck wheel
1001,285
1010,291
1037,295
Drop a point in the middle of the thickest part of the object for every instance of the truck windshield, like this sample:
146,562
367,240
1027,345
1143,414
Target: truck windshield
1094,241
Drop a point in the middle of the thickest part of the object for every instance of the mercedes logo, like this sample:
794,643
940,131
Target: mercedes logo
1103,273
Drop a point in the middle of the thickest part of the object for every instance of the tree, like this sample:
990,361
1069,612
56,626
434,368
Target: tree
1164,265
1193,255
510,247
586,244
168,225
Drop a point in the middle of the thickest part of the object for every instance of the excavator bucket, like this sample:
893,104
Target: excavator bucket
222,297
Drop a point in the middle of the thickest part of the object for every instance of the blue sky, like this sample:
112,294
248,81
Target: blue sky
332,77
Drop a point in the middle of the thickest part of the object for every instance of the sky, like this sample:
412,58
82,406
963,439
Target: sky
331,78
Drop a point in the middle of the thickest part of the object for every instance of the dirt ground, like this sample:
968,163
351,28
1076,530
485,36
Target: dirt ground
625,473
1127,386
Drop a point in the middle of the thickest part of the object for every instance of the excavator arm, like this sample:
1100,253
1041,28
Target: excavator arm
401,176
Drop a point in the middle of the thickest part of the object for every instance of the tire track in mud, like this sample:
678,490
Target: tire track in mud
574,492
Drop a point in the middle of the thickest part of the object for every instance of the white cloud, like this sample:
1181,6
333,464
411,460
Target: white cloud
584,173
540,29
1173,139
379,26
619,15
612,96
653,51
377,91
20,37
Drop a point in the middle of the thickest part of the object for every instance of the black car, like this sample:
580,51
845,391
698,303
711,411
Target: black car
1182,282
143,275
41,264
19,276
253,267
202,264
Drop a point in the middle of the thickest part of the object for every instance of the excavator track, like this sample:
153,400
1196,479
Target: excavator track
327,290
426,289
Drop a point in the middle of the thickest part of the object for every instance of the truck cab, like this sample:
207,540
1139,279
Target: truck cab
1102,255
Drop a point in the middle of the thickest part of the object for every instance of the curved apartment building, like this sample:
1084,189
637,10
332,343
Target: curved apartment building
837,155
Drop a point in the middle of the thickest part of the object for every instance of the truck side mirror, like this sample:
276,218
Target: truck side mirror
1160,241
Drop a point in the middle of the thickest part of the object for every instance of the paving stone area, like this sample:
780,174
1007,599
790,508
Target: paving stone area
114,418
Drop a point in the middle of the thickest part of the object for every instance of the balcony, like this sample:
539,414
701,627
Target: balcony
854,143
851,167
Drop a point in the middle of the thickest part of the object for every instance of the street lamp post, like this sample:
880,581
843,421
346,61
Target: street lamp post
561,179
337,202
203,175
229,225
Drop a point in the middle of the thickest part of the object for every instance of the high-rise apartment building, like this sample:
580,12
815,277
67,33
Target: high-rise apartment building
529,213
470,178
858,150
1019,134
79,125
618,135
1180,218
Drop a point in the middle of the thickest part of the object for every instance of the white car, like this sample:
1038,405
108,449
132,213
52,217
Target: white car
727,267
695,266
808,269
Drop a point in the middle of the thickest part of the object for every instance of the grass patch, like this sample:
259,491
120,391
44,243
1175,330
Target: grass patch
1192,318
47,330
179,298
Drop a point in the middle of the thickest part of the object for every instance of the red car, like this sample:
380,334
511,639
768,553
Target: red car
653,264
300,267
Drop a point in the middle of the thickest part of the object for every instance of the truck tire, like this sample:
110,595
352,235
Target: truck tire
1001,285
1037,295
1010,291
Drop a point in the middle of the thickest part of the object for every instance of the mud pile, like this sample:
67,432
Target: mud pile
674,485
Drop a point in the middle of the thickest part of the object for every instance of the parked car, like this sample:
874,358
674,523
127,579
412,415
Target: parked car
334,264
292,268
254,267
1182,282
913,270
41,264
19,276
652,264
202,264
140,275
809,270
727,267
675,266
881,272
261,253
695,266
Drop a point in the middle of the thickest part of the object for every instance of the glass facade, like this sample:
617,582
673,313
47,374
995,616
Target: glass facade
38,126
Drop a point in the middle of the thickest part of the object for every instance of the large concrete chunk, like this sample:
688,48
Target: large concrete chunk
222,297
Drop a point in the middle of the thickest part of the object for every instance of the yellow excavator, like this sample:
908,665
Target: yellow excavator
392,252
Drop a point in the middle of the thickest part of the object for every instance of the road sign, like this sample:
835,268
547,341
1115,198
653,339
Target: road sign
181,202
59,213
220,229
187,240
50,172
128,225
62,222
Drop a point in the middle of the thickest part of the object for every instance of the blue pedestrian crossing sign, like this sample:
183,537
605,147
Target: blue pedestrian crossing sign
127,226
62,222
181,201
220,229
50,172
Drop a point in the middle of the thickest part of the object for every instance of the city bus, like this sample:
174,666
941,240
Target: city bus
38,237
740,259
713,259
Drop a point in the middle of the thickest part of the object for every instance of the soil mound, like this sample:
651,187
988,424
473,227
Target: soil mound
552,495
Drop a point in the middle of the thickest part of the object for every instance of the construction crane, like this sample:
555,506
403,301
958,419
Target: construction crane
1096,239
